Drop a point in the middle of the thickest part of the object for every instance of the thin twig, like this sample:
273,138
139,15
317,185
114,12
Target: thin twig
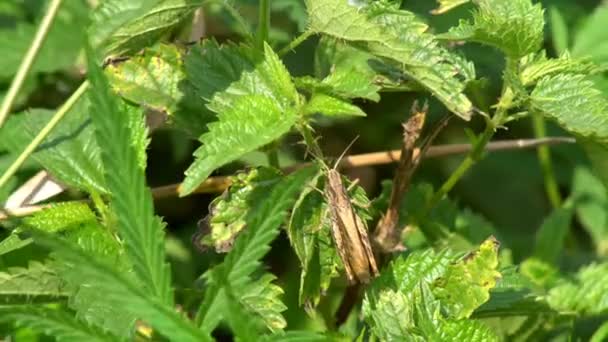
43,133
220,183
29,59
386,235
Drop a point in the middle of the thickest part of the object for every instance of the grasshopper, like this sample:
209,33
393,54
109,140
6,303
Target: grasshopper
349,231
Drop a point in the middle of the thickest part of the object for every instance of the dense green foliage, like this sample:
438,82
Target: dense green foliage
501,247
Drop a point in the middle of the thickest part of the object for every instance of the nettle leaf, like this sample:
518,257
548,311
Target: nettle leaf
59,218
69,152
552,233
434,328
328,105
513,296
121,292
513,26
586,293
425,284
156,79
536,66
467,284
416,316
262,298
87,298
346,71
255,105
425,266
124,27
60,324
591,201
309,232
572,101
227,213
398,36
263,222
392,317
38,283
131,200
61,46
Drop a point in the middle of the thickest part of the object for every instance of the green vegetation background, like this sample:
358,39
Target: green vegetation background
506,187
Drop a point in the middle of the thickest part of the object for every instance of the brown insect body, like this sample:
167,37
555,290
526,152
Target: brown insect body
349,232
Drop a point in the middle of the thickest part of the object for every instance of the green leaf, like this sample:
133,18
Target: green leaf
591,201
467,284
227,213
590,39
310,237
38,283
552,233
262,298
536,66
392,317
415,316
13,242
55,323
120,292
601,334
252,112
61,46
69,152
574,103
124,27
263,222
538,272
513,26
586,294
157,79
473,227
87,298
131,200
346,72
400,37
447,5
426,266
513,296
331,106
60,217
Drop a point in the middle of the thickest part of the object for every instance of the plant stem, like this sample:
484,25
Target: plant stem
263,24
294,43
472,157
544,158
29,59
43,133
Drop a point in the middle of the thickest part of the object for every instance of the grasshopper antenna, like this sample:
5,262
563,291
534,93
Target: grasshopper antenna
344,153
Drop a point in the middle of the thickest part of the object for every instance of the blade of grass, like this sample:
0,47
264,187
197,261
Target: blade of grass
64,109
29,59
